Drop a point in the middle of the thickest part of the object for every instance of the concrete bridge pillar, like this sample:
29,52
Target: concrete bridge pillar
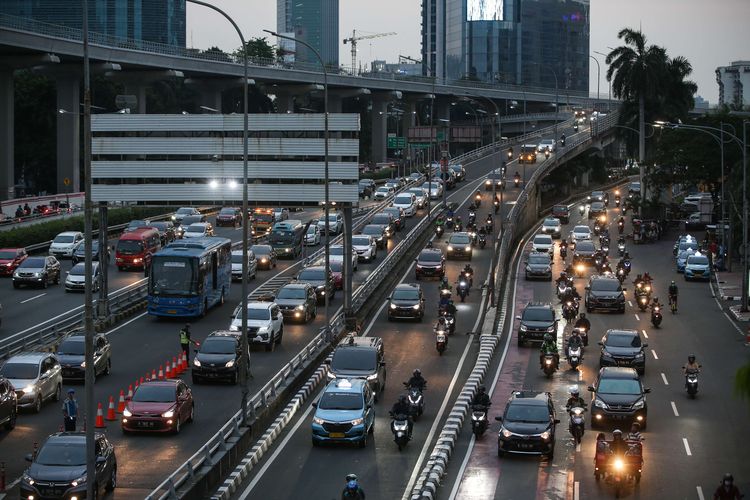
379,127
139,91
7,163
68,133
284,102
409,117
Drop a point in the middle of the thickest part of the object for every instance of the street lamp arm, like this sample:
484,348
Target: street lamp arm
653,129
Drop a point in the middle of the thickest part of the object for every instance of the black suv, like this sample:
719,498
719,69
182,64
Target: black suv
316,276
71,351
8,404
584,252
297,301
430,262
623,348
377,231
166,230
359,357
399,219
58,469
528,425
80,252
406,301
536,321
618,395
219,357
561,212
604,292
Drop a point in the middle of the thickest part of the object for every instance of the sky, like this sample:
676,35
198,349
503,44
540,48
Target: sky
709,33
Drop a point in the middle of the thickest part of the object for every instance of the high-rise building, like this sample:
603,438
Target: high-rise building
521,42
314,21
160,21
734,84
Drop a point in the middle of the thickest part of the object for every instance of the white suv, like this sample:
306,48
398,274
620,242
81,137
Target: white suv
365,247
265,323
66,243
337,254
406,202
543,243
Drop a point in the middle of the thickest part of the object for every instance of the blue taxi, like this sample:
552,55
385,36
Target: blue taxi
344,413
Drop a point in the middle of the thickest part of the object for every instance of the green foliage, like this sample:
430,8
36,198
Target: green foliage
217,54
257,48
383,173
742,382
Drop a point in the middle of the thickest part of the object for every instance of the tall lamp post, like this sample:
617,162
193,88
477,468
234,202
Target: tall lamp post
245,370
609,92
325,168
557,95
598,75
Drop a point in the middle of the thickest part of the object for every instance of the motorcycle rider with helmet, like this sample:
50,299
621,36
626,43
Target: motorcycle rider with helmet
549,346
352,490
691,366
574,341
575,399
583,322
469,271
481,398
417,380
673,293
618,444
727,490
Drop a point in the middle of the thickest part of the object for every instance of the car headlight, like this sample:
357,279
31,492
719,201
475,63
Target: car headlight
639,404
468,248
393,306
229,364
523,328
416,307
551,329
29,389
318,421
80,480
196,362
450,248
505,432
37,275
374,376
640,355
264,260
357,421
600,404
136,260
168,414
126,413
264,329
545,435
234,328
27,479
300,307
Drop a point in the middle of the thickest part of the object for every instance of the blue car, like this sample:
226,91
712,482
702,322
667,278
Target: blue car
682,258
345,413
697,267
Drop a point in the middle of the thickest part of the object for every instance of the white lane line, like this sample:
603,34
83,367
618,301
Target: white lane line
576,488
630,303
700,493
645,335
578,447
676,414
687,447
126,323
276,453
664,378
33,298
733,324
654,353
637,318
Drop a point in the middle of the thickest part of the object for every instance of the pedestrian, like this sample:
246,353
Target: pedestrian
713,249
185,341
70,411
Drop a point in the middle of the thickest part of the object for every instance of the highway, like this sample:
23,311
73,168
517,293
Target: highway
686,448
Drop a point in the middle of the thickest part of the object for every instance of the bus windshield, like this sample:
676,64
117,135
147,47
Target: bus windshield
282,237
173,276
264,217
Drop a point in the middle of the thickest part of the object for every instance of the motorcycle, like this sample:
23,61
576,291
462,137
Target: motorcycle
621,275
570,310
673,303
463,289
584,334
510,154
458,227
620,227
497,205
415,400
449,222
546,153
468,276
574,357
549,365
439,232
597,229
450,320
691,382
656,316
576,425
643,302
400,430
482,240
478,199
562,289
517,181
479,422
581,209
621,249
472,216
605,246
441,338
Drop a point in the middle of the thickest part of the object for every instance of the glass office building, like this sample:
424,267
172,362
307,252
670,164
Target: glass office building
161,21
314,21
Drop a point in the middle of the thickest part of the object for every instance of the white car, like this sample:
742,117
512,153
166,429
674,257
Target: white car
420,196
280,214
184,212
76,279
435,189
392,185
198,230
335,223
543,243
546,144
337,254
580,233
383,192
66,243
252,265
365,246
552,226
312,236
415,177
406,202
265,323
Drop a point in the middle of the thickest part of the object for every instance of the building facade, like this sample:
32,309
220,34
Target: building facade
160,21
314,21
519,42
734,84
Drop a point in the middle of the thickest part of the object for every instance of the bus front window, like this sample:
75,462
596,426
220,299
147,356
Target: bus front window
173,276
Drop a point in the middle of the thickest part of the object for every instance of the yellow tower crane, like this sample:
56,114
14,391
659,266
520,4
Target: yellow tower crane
354,39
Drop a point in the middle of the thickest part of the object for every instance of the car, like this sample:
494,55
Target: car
80,254
10,259
697,267
385,219
546,145
183,212
685,243
383,192
252,265
415,177
498,176
552,226
620,347
71,356
158,406
58,468
229,216
166,231
377,233
527,154
433,189
597,209
681,260
316,277
75,281
365,246
359,358
335,223
406,302
561,212
265,323
596,196
399,218
528,425
35,376
460,246
537,320
280,214
392,184
539,265
39,271
265,255
297,301
344,413
419,195
192,219
543,243
337,269
199,230
580,233
336,253
604,293
8,405
430,262
137,224
65,244
219,357
406,202
459,171
584,252
618,395
312,236
696,220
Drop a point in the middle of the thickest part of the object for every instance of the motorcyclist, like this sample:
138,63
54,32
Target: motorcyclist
655,303
575,399
635,433
450,308
562,139
583,322
638,279
402,408
549,346
19,212
481,398
692,365
618,444
352,490
574,341
563,278
517,177
727,490
440,221
647,278
571,294
445,284
673,292
417,380
441,324
468,270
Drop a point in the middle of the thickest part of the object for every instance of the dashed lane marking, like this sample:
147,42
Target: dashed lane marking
687,447
700,493
645,335
664,378
677,414
630,303
637,318
576,489
33,298
654,353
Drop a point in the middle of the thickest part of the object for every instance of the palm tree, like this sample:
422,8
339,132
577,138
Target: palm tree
678,92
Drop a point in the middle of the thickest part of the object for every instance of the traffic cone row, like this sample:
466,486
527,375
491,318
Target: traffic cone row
99,417
121,402
111,409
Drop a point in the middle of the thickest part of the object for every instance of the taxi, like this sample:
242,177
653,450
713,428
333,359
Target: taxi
345,413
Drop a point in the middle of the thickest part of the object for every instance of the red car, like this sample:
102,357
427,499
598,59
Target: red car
158,406
337,269
10,259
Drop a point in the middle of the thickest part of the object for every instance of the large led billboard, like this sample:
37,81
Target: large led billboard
484,10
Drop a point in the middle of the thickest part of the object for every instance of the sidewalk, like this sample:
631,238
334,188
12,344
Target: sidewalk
729,288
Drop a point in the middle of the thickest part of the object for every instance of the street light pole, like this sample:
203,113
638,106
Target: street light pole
609,92
598,75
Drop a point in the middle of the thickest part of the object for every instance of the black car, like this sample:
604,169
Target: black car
605,292
80,252
387,221
430,262
297,301
359,357
537,320
377,231
597,209
459,171
229,216
265,256
316,277
528,425
399,219
539,265
584,252
71,355
561,212
8,404
137,224
618,396
459,245
58,470
623,348
39,271
219,357
166,230
406,301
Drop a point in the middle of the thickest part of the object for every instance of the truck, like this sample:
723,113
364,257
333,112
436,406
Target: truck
263,219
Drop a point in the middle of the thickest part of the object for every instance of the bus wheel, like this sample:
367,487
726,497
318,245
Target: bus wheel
205,308
221,299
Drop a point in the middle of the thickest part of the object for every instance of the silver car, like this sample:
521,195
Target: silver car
76,279
35,376
252,265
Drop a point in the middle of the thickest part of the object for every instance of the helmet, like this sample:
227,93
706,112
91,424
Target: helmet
574,391
728,477
672,284
417,372
639,277
351,477
71,391
583,315
691,358
656,299
617,433
402,398
429,244
482,389
563,274
547,337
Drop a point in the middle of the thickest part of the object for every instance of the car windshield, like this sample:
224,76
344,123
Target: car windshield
236,258
33,262
129,247
542,240
256,313
538,259
416,191
700,260
62,454
171,275
606,285
405,294
291,293
693,245
261,249
161,226
79,269
196,228
585,246
581,230
155,394
94,248
227,211
383,189
337,266
219,345
7,255
597,205
403,200
559,209
137,223
365,242
20,370
336,250
381,219
64,238
623,340
527,413
430,185
185,211
373,230
312,275
341,401
551,222
430,257
538,315
459,239
311,229
191,219
619,386
75,347
354,359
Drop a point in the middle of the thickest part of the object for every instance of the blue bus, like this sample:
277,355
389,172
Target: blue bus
188,277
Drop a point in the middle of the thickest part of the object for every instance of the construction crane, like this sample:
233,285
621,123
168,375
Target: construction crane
354,39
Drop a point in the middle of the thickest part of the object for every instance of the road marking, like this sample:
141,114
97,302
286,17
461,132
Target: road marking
700,493
687,447
637,318
576,488
126,323
664,378
578,447
630,303
677,414
654,353
644,333
34,297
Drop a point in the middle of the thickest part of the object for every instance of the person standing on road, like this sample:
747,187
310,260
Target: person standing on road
70,411
185,341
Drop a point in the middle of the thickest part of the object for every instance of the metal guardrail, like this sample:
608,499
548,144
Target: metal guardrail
563,116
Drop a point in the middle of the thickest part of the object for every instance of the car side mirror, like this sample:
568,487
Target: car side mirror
315,404
647,390
499,418
591,388
644,345
382,363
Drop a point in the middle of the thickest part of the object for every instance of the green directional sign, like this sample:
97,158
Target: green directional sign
396,142
419,145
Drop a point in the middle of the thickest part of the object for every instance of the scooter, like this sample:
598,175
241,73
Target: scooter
478,199
450,320
621,275
439,232
497,205
691,383
449,222
570,311
562,289
576,425
574,357
549,365
563,251
584,334
620,227
479,422
463,289
416,401
656,316
621,249
517,181
441,339
546,153
400,430
482,240
581,209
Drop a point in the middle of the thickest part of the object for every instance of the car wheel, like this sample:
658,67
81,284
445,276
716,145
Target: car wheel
58,393
112,483
281,335
191,417
38,404
108,368
45,282
11,423
177,425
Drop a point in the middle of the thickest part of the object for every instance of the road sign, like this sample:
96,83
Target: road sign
66,181
419,145
396,142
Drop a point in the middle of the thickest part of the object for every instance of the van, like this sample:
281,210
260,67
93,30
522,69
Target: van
135,248
359,358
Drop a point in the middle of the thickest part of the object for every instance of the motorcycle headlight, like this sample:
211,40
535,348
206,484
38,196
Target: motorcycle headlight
168,414
639,404
618,464
229,364
126,413
600,404
357,421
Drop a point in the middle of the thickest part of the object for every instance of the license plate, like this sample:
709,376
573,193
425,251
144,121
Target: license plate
525,446
146,424
171,311
336,434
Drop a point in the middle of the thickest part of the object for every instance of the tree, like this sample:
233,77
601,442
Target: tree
677,99
257,48
216,54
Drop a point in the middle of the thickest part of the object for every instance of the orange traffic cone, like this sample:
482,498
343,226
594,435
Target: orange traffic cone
161,373
130,390
111,409
175,370
168,371
184,362
153,374
100,417
121,402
